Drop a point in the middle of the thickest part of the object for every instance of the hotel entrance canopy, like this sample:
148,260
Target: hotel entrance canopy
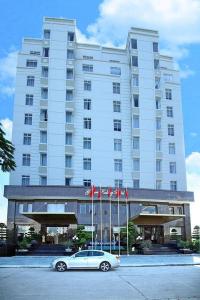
155,219
50,218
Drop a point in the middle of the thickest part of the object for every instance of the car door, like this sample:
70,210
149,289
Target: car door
79,260
95,258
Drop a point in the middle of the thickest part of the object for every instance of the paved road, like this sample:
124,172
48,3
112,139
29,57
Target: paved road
121,284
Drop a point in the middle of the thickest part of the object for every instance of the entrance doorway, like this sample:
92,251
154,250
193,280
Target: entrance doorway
153,233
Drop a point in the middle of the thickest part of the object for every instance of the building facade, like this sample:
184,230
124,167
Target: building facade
87,114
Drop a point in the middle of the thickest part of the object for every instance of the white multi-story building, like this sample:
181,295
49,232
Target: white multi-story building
90,114
87,114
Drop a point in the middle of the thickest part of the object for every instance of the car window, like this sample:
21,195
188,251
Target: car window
81,254
96,253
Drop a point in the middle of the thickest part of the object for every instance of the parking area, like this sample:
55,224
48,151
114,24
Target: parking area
150,283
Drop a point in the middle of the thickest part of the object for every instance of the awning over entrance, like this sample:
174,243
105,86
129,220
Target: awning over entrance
49,218
155,219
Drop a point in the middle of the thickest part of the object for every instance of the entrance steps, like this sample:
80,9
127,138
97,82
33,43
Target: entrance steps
48,250
163,249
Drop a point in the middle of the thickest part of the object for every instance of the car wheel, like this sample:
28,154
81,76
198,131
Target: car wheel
61,266
105,266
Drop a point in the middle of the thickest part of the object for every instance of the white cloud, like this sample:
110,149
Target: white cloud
7,73
193,181
193,134
7,127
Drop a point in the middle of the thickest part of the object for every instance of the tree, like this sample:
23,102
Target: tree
81,237
7,162
132,234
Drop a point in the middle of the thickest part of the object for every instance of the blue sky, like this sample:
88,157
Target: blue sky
108,21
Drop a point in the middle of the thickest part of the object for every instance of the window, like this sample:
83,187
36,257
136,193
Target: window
119,183
136,183
87,182
68,161
87,123
87,68
82,210
70,73
87,164
25,180
158,165
117,145
136,142
158,144
28,119
157,83
45,72
35,52
43,137
134,61
29,99
70,54
44,93
87,104
158,184
172,167
55,207
158,123
43,180
135,80
46,34
43,115
116,88
172,149
70,36
179,210
158,103
136,164
170,111
87,143
68,117
115,70
168,94
168,77
27,139
156,64
68,138
43,159
118,165
21,208
171,210
136,100
149,209
30,81
155,47
29,207
68,181
117,125
171,129
31,63
87,57
26,160
45,52
136,122
133,43
69,95
116,106
87,85
173,185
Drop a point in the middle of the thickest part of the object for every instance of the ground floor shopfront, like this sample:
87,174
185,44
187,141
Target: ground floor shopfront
53,210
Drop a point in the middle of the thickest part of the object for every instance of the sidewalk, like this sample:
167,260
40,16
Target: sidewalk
126,261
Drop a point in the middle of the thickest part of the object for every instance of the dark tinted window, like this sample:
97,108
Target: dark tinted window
81,254
95,253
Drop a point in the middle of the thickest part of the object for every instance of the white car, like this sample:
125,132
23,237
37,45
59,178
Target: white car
87,259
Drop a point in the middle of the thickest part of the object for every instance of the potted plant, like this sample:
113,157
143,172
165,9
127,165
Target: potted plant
68,246
146,247
185,247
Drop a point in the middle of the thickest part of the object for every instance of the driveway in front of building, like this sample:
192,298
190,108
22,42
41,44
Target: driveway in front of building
152,283
126,261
